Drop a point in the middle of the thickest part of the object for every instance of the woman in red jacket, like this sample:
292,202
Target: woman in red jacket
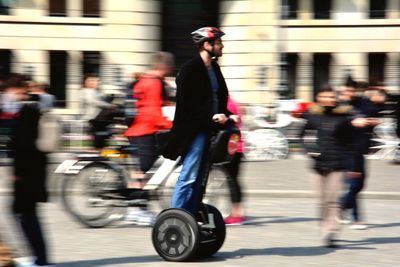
149,119
148,91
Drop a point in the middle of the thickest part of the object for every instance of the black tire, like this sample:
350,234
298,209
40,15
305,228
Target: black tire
211,240
81,194
176,235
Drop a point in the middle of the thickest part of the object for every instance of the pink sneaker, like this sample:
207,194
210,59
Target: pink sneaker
235,220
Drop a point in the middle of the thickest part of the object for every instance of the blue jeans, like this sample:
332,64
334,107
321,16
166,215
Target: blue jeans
354,187
188,187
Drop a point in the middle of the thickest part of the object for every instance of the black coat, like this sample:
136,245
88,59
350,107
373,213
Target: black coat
193,112
29,163
333,137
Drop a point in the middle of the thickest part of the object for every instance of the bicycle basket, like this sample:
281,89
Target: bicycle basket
224,145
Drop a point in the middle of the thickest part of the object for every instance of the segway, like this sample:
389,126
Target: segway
179,235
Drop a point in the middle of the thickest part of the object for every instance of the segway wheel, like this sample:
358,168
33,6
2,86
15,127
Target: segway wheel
176,235
212,239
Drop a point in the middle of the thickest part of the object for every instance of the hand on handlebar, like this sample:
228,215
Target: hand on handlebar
220,118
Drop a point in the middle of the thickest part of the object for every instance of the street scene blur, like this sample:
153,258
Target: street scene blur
222,132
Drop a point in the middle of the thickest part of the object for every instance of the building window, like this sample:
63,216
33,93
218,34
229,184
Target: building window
5,7
291,67
5,63
91,63
179,19
377,9
376,68
322,9
288,79
321,69
91,8
58,76
291,9
57,8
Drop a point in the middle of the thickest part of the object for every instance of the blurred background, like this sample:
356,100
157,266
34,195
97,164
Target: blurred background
274,50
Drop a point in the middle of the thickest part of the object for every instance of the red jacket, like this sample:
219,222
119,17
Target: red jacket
149,118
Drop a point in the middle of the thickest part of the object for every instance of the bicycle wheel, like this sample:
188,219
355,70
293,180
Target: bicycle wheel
167,189
265,144
82,195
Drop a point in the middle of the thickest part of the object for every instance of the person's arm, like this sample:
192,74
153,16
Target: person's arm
308,142
98,102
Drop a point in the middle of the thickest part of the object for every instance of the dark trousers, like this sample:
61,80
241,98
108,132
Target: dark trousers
146,150
32,230
354,186
100,132
232,169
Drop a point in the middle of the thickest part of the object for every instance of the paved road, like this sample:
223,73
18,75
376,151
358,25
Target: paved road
281,232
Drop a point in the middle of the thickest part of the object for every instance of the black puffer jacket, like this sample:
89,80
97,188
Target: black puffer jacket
333,137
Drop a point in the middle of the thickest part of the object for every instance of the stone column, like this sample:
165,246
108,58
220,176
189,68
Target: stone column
305,10
393,9
74,80
74,8
304,87
392,72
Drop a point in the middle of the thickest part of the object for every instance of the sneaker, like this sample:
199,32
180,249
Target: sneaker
140,217
235,220
358,226
146,218
342,218
26,263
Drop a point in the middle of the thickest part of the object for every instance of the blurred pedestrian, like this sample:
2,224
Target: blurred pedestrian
46,100
237,214
332,124
29,170
94,109
201,106
355,176
149,120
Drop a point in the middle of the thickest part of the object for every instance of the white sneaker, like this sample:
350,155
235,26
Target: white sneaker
342,218
147,218
358,226
140,216
27,262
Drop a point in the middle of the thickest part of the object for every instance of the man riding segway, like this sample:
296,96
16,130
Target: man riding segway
201,109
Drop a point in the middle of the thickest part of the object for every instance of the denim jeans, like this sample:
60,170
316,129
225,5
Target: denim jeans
188,187
354,186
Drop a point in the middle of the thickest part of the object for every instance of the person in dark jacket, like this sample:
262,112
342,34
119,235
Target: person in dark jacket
333,125
202,97
355,176
29,170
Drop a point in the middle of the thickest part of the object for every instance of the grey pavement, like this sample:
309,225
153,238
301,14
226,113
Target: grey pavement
280,232
282,228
